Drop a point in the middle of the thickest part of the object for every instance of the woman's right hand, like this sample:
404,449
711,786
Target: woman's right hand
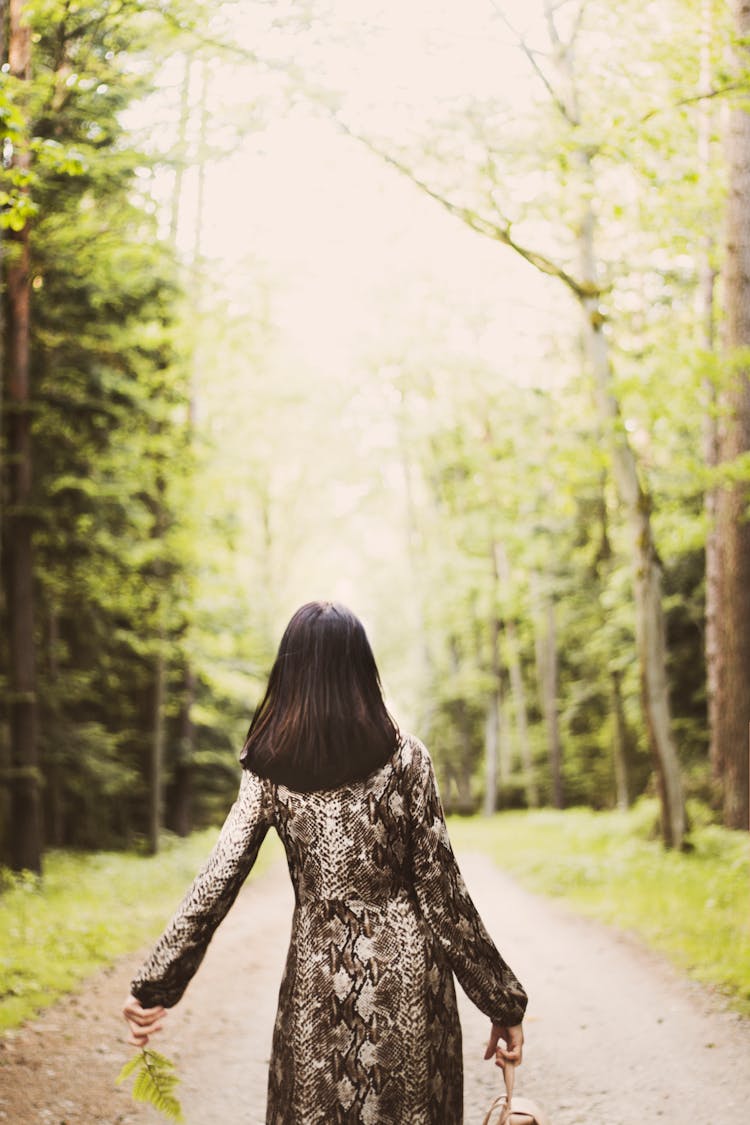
506,1044
143,1022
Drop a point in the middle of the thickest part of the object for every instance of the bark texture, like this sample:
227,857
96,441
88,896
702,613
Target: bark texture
25,832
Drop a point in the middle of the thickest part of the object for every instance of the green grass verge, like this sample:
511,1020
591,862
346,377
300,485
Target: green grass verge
694,907
86,911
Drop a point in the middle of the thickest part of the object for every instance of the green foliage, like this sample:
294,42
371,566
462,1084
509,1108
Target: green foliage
520,459
691,906
163,540
155,1082
115,548
85,912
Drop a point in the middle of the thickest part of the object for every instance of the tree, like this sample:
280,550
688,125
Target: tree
582,278
18,558
91,299
733,496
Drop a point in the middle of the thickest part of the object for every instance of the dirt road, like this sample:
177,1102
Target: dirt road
614,1036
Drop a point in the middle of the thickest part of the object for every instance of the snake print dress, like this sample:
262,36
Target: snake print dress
367,1029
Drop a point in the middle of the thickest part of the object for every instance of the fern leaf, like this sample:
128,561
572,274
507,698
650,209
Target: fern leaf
127,1070
159,1062
143,1087
155,1081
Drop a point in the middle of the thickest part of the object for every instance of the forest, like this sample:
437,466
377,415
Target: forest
438,309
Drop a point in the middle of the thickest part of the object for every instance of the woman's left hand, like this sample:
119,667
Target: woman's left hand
506,1044
143,1022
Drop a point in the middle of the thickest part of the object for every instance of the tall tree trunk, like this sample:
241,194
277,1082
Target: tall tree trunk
620,743
545,650
26,835
156,763
181,812
491,751
4,729
706,318
53,804
733,499
182,797
159,682
649,609
494,719
650,622
517,689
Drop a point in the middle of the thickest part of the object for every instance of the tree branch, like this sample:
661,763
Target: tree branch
499,232
693,98
532,57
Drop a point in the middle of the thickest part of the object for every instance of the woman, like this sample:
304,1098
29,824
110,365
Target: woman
367,1029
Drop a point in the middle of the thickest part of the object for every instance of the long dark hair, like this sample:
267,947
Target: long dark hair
322,721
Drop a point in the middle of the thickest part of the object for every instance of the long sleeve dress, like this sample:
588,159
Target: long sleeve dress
367,1029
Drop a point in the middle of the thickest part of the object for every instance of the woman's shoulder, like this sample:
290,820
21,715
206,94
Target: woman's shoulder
413,755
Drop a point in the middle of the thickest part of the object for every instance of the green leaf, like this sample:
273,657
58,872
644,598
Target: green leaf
154,1082
127,1070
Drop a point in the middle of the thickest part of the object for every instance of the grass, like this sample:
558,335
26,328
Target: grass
86,911
694,906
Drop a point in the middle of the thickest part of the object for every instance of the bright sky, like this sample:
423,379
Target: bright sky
356,257
334,226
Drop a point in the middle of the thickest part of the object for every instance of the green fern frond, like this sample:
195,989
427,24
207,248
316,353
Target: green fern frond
127,1070
154,1083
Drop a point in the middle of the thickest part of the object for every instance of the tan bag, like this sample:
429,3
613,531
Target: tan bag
507,1110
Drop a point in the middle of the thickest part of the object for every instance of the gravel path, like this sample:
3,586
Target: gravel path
614,1036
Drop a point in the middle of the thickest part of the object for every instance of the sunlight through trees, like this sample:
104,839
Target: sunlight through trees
439,309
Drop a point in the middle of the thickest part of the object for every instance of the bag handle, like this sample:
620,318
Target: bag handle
503,1100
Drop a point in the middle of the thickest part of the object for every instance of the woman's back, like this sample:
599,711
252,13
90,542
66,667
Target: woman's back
367,1029
350,1041
348,842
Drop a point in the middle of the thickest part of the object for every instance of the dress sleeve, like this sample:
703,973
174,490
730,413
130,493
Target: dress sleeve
446,904
165,975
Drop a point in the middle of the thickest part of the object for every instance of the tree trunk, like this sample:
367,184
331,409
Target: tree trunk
492,728
491,753
4,730
706,318
26,839
517,689
649,610
733,499
650,624
181,811
182,799
156,764
620,743
545,651
53,804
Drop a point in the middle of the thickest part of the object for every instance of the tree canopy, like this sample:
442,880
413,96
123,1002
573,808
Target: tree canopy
467,349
